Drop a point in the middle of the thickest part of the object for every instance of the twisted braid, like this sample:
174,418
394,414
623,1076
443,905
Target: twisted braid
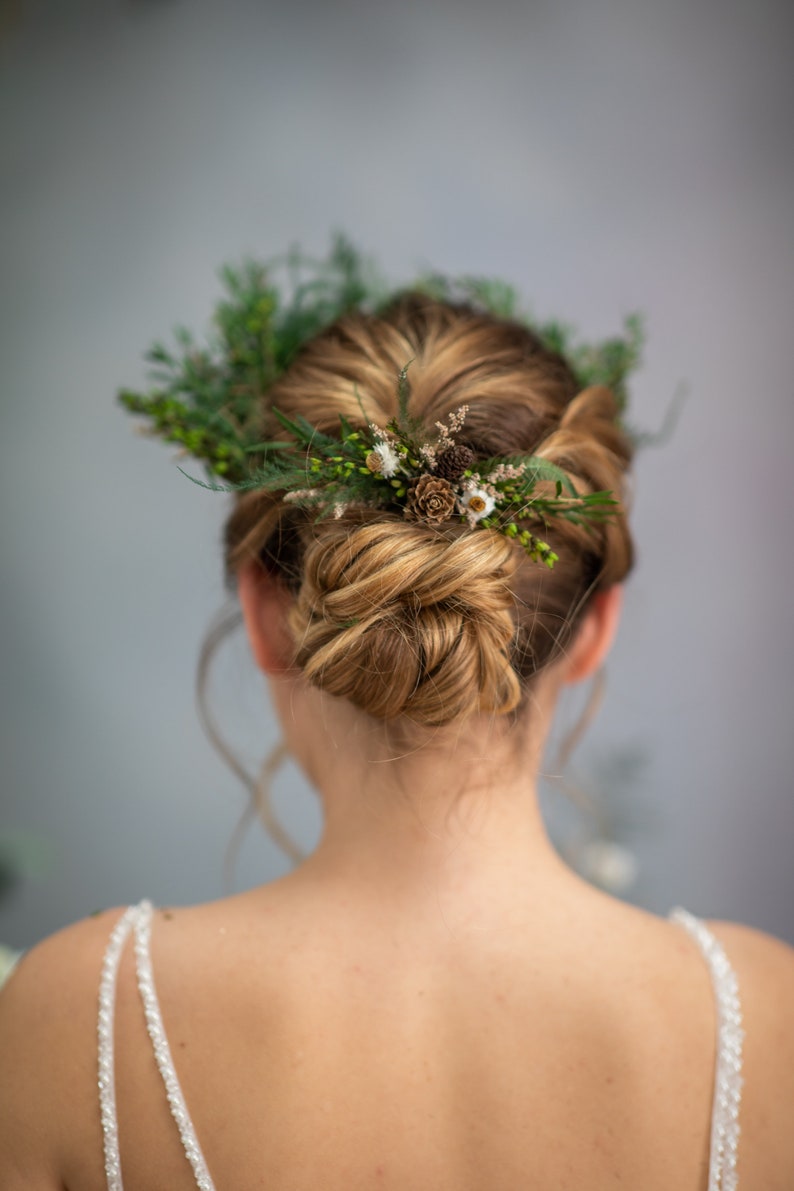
404,620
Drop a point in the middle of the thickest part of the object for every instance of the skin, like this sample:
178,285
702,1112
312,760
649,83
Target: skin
431,1000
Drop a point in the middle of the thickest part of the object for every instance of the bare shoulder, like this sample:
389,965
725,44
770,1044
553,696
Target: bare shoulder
48,1013
764,964
765,970
62,963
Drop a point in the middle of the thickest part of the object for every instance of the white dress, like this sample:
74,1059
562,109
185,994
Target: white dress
138,920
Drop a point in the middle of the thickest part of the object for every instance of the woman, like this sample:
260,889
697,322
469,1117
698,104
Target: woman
432,999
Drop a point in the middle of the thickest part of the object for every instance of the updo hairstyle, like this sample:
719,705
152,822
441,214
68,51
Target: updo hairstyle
437,622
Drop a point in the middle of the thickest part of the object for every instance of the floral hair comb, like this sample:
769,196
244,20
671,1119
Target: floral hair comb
210,402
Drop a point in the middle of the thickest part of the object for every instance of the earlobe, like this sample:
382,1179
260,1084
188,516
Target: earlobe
264,603
591,645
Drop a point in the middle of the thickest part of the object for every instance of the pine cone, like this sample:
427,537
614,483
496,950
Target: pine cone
430,499
453,462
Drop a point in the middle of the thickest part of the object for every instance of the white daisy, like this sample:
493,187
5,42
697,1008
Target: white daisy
476,504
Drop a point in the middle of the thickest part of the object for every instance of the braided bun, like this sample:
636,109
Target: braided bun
433,623
404,620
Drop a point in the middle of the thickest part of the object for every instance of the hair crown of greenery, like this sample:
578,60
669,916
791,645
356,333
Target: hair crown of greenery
209,401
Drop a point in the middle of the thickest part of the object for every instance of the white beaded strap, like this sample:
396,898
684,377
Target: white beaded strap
162,1051
728,1075
107,1079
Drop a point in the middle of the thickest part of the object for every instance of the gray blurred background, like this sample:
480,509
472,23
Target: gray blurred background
603,155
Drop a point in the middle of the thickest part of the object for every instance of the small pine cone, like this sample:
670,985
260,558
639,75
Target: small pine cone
429,499
453,462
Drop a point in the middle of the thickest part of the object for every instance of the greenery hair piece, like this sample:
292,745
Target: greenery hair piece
209,400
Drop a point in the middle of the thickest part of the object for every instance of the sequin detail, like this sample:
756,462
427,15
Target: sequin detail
162,1051
728,1071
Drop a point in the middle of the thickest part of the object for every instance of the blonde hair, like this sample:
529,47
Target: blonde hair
434,623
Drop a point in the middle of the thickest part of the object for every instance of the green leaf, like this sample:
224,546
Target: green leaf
204,484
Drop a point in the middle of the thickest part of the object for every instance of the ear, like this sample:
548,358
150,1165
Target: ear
264,602
591,645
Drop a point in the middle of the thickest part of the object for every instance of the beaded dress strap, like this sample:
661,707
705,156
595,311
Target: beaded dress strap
138,919
728,1071
162,1051
107,1082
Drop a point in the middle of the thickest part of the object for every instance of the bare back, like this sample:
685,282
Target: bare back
322,1045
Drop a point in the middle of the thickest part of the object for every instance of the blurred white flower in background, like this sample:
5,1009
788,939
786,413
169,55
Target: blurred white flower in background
608,864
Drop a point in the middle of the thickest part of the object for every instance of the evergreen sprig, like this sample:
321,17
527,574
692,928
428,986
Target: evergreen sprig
209,399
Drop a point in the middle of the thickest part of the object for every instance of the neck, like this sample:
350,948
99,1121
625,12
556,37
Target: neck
454,816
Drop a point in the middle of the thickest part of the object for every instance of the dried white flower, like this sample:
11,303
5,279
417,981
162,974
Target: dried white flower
476,503
381,434
457,418
506,471
390,460
447,430
299,494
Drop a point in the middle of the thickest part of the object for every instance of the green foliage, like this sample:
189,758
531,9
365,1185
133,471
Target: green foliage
210,399
609,362
22,854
